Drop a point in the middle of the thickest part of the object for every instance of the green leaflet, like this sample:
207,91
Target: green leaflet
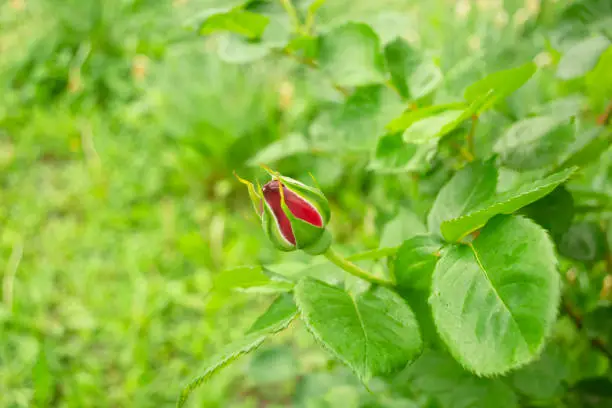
350,54
467,189
394,156
246,23
401,60
494,301
357,123
439,376
408,117
425,79
280,310
591,145
582,57
584,241
240,278
403,226
278,316
543,379
433,127
599,80
534,142
415,262
374,333
553,212
505,203
292,145
487,91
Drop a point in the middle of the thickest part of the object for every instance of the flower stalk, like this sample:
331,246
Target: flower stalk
355,270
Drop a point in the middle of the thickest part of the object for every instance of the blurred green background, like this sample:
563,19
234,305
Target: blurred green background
119,131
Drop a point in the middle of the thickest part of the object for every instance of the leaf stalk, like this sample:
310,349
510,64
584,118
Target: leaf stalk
338,260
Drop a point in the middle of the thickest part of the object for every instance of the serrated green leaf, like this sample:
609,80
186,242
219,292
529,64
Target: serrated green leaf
534,142
424,79
288,146
246,23
561,108
543,379
236,50
418,300
350,54
224,357
598,324
599,80
404,226
582,57
494,301
276,318
433,127
437,375
402,60
505,203
468,188
374,333
498,85
304,46
280,310
410,116
588,148
553,212
358,123
415,262
393,156
240,278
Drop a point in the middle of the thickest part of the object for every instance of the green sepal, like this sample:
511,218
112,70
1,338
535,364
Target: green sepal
256,198
273,232
305,234
321,246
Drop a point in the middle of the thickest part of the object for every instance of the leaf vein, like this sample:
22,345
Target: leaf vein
486,275
365,335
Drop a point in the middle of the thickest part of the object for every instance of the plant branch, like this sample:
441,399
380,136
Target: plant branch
292,13
354,270
604,118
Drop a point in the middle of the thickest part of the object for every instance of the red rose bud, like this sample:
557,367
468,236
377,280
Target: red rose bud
294,216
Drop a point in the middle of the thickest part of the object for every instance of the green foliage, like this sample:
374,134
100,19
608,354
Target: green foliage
351,56
431,127
437,375
464,149
582,57
242,22
494,87
495,300
374,333
466,190
504,203
415,262
278,316
584,241
534,143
